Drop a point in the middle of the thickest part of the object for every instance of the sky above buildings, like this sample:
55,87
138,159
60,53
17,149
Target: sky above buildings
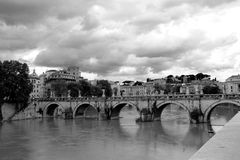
124,39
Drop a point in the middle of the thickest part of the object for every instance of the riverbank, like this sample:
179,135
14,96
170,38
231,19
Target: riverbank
26,115
9,113
224,145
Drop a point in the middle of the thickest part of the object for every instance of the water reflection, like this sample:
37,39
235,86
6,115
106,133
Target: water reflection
127,122
221,114
175,118
123,139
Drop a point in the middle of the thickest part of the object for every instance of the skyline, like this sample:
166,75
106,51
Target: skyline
123,39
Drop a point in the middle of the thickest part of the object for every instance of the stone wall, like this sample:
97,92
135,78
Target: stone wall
27,113
8,110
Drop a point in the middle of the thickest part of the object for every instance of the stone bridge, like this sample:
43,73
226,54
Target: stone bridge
199,107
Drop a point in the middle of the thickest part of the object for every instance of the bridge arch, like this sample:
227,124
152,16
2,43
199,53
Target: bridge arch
118,107
50,109
208,112
161,106
85,110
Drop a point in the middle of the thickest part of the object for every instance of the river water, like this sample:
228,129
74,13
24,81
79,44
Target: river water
173,138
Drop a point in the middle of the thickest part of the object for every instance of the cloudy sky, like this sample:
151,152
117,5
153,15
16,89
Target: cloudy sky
124,39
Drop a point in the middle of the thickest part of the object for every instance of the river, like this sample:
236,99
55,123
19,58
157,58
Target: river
173,138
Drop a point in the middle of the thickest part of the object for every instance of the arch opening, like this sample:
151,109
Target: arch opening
124,110
51,110
221,113
86,111
174,119
172,111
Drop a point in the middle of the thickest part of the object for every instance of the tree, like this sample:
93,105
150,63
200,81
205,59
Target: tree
96,91
211,89
74,89
115,91
192,77
170,79
85,88
181,78
104,84
175,89
2,89
167,89
200,76
60,88
15,85
158,88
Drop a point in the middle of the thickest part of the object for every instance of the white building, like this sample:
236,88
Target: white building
137,88
115,86
232,85
43,90
35,80
75,71
70,74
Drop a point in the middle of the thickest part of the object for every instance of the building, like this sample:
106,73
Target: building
61,75
115,86
232,85
149,85
196,86
68,75
160,81
75,71
35,80
131,88
191,89
43,91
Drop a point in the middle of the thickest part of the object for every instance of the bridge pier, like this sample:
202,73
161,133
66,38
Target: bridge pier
102,116
196,116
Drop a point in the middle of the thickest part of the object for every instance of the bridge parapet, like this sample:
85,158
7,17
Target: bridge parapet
148,97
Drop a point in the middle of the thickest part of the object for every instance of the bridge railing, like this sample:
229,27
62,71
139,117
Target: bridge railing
147,97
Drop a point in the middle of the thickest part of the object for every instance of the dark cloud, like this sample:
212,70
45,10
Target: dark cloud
17,40
26,12
102,63
208,3
113,38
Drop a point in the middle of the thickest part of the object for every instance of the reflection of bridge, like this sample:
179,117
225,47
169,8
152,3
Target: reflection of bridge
199,107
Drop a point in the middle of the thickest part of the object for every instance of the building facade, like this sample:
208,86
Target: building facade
47,79
131,88
35,80
232,85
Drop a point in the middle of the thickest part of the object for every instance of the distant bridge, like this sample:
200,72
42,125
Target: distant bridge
199,107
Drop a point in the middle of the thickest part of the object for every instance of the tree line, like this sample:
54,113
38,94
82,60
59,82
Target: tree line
170,89
83,87
186,78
